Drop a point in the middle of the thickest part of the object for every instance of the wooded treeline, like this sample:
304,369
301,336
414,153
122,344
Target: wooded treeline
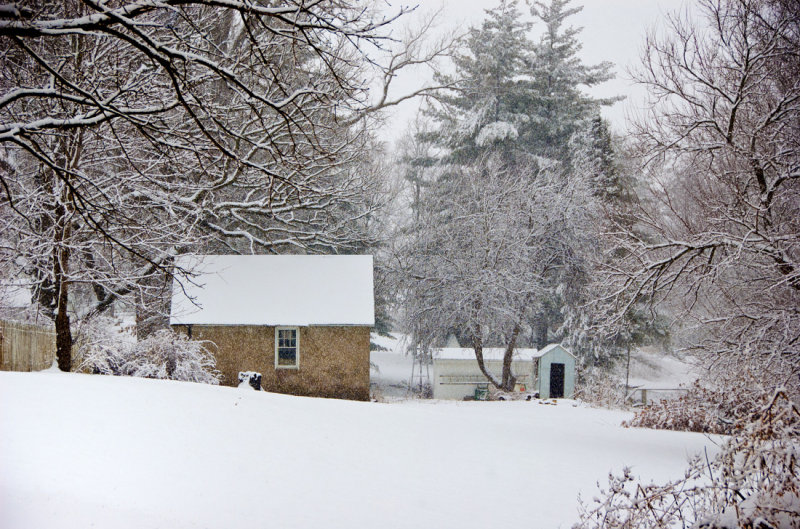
511,216
511,172
530,222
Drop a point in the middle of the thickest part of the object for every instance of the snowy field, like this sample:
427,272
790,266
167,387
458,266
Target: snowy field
81,451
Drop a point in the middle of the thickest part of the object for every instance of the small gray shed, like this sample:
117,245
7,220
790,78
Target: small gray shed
554,372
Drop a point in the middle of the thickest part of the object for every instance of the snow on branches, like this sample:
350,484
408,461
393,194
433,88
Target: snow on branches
164,355
754,482
715,235
132,131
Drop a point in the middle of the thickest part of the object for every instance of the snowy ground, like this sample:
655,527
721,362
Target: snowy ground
653,369
89,450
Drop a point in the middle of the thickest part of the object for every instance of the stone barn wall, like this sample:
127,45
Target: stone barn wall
333,361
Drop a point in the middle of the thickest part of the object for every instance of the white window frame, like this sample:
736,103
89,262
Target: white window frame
296,345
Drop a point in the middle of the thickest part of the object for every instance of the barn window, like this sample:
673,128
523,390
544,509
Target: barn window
286,347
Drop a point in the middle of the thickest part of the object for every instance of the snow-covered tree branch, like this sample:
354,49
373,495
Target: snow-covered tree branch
716,231
132,131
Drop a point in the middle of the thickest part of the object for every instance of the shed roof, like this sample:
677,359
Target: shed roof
274,290
544,350
489,353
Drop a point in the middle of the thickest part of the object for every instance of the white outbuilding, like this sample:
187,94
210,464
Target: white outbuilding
456,374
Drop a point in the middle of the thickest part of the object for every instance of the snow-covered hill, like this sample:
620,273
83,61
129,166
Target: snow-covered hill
82,450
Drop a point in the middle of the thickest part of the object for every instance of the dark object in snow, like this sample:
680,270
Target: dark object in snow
482,392
252,378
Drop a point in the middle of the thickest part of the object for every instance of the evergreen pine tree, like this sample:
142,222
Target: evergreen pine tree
557,77
591,154
487,108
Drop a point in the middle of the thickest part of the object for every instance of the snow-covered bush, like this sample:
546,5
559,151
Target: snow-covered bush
754,483
599,386
101,347
167,354
706,407
164,354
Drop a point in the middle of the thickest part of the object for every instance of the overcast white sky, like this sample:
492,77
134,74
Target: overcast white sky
613,30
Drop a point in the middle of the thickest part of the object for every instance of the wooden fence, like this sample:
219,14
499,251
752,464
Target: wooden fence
645,396
26,347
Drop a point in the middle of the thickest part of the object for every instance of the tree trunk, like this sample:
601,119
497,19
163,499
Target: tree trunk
541,330
71,149
62,235
60,271
477,346
63,334
509,380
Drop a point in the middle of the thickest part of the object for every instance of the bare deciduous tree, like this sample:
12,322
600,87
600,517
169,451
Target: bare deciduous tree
131,131
482,251
718,228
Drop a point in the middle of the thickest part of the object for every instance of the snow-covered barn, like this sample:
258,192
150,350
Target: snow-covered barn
302,321
550,372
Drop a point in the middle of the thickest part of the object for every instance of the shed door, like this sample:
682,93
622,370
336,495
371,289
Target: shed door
556,381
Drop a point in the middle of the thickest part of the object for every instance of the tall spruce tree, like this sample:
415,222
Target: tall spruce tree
591,153
557,78
489,103
561,110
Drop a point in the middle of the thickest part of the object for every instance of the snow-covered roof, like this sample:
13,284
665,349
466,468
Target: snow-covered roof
549,348
275,290
489,353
